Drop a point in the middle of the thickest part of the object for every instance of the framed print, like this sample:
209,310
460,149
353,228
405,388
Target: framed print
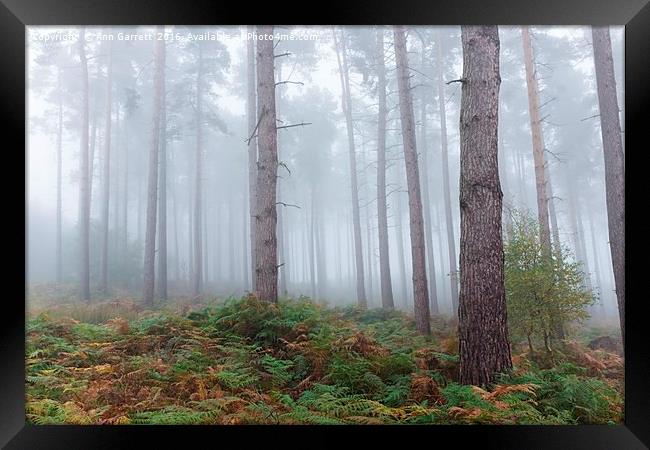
378,220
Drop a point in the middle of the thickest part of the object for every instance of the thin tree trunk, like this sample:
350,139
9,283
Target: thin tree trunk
91,158
420,292
538,141
197,280
594,249
369,246
581,238
267,170
444,148
162,212
312,251
387,301
580,254
251,114
103,281
555,231
152,179
428,223
610,127
245,237
190,235
346,100
59,164
125,197
321,256
84,198
115,154
231,236
399,234
482,330
177,256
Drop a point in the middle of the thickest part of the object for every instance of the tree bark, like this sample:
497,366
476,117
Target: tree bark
420,292
610,127
538,141
387,301
103,280
444,148
482,330
346,100
152,178
84,197
266,267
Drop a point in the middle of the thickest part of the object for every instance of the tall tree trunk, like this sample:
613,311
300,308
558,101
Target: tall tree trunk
320,252
231,237
282,259
103,280
312,245
420,292
197,280
610,127
152,178
177,256
538,141
482,330
594,249
245,237
578,241
139,210
555,231
401,263
84,198
346,100
365,193
251,114
428,223
205,245
162,212
125,193
581,236
117,168
387,301
449,219
91,157
190,235
267,170
59,164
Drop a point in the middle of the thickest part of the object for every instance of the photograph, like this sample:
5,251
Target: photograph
325,225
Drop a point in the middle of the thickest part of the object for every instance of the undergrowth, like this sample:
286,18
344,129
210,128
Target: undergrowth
248,362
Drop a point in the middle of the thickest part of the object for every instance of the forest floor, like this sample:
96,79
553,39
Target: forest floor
246,362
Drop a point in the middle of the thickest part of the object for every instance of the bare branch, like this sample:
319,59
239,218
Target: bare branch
287,205
460,80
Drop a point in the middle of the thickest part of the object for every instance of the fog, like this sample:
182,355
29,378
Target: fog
315,224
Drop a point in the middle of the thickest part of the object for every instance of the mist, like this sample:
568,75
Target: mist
316,243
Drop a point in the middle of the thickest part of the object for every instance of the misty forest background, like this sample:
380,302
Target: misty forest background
151,215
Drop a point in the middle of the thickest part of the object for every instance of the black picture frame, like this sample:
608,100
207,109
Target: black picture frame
15,15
